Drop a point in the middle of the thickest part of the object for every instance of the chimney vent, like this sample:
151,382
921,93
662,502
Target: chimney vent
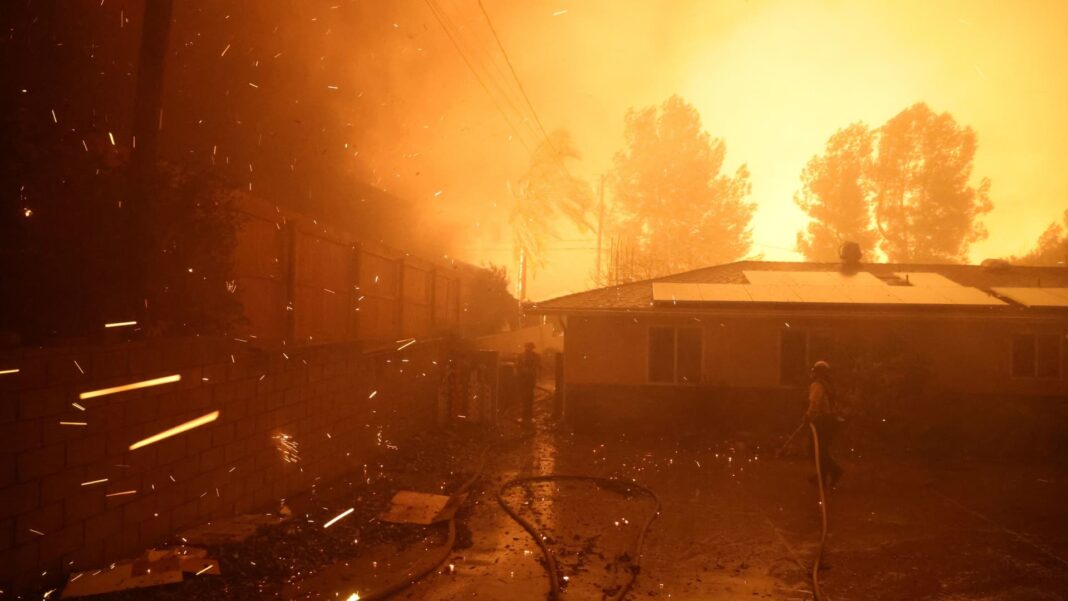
850,255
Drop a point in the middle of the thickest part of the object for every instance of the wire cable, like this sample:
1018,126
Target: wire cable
515,76
441,19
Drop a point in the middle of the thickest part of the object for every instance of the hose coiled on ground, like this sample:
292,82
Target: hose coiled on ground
550,561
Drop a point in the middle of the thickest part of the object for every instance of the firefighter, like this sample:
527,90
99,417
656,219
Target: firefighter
822,413
527,378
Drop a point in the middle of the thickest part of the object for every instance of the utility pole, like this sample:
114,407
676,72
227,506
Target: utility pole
600,230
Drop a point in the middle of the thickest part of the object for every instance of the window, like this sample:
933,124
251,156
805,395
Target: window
675,355
793,358
1036,356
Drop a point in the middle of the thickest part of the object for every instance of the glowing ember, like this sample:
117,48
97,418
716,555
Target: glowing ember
189,425
338,517
134,386
287,447
121,493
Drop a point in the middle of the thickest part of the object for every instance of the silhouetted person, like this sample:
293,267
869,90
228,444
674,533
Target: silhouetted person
822,413
527,378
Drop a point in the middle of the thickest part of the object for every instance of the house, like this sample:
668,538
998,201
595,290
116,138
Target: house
733,343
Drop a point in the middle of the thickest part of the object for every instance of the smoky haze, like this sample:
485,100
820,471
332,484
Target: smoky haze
365,114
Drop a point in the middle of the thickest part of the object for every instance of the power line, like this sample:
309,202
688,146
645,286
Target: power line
515,76
441,19
474,52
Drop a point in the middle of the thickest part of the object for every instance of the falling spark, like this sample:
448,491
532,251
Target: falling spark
253,85
120,324
121,493
134,386
54,120
37,532
406,344
373,393
92,482
9,371
341,515
189,425
207,567
78,366
560,12
73,424
353,597
78,407
225,50
112,138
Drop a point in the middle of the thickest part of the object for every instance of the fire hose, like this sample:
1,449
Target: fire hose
816,592
550,561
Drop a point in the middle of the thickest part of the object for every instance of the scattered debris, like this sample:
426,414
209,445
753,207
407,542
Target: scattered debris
155,567
409,507
229,530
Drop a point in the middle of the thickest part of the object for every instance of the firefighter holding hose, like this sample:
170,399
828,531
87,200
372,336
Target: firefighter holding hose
822,413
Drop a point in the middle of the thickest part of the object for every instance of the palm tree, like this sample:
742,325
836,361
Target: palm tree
546,193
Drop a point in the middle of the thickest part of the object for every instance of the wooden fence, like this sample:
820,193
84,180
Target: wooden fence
304,283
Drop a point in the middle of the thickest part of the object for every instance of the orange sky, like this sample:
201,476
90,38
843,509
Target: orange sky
776,79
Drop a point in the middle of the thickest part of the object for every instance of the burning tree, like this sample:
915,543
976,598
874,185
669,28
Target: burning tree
910,179
674,208
545,194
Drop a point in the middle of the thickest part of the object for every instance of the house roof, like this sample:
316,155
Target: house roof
638,296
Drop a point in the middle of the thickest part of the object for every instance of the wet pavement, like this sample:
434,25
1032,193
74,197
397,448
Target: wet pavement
735,523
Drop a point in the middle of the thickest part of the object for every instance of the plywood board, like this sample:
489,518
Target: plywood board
410,507
228,530
123,576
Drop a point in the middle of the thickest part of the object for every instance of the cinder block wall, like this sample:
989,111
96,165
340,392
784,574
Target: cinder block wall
320,396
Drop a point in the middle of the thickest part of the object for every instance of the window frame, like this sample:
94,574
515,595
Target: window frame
1034,336
674,356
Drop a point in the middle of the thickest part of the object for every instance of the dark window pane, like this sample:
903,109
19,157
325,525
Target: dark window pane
1048,360
661,354
793,360
689,356
1023,355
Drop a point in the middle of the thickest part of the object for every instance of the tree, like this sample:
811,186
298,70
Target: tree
836,192
925,208
673,208
1052,246
491,306
545,194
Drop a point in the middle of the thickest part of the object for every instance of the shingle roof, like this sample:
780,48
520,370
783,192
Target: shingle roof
638,296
